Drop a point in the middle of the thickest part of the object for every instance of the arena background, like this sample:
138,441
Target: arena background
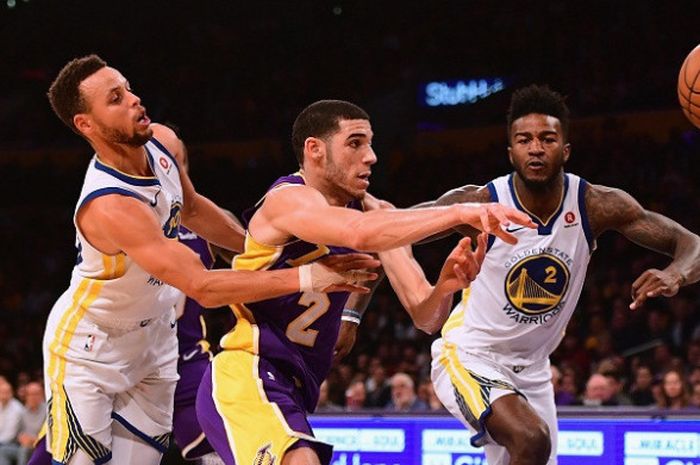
233,75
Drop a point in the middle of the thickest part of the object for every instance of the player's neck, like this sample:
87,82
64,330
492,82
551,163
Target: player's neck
125,158
541,201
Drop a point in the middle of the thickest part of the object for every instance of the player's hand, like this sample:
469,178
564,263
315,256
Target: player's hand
492,218
346,340
343,273
653,283
462,265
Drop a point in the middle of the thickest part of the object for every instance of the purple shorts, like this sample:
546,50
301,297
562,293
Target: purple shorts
253,419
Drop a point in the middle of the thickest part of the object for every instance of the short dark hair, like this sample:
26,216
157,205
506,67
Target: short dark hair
320,119
64,94
538,99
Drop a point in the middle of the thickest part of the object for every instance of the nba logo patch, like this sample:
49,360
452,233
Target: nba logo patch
89,343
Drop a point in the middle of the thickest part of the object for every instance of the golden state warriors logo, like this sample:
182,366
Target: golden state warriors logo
172,224
537,284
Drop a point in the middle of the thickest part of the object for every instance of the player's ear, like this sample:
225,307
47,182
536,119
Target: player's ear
510,154
567,152
314,148
82,123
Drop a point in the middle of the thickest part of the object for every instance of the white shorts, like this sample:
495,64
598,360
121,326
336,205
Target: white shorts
467,384
97,373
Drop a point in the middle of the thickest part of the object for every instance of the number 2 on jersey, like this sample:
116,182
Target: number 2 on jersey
298,330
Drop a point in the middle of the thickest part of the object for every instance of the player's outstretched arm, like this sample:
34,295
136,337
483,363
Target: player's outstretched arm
200,214
610,208
429,306
115,223
302,212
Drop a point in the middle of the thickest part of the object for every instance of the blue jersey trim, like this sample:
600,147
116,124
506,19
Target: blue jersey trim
134,181
165,151
584,213
140,434
107,191
543,229
494,198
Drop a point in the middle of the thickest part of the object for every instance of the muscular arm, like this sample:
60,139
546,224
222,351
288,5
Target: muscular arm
116,223
301,211
610,208
200,214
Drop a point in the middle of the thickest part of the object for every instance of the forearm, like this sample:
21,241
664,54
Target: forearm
382,230
212,223
686,259
427,305
224,287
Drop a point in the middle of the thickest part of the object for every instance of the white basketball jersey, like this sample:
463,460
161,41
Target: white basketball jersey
517,309
113,288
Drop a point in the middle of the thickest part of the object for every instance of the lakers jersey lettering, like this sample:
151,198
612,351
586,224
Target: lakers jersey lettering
524,296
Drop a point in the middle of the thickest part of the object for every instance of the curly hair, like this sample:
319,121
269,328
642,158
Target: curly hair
64,94
538,99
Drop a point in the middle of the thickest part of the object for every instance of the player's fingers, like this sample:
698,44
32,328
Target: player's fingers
347,288
481,243
485,220
500,215
643,278
522,218
461,276
505,236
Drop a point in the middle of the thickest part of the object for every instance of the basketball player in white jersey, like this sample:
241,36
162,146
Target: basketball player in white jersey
110,352
491,366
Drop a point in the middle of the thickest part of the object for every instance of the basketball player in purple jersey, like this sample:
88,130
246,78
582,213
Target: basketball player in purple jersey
253,400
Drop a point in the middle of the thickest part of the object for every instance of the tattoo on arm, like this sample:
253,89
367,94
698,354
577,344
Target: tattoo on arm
614,209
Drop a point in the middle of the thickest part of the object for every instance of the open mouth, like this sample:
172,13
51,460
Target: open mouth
143,119
536,165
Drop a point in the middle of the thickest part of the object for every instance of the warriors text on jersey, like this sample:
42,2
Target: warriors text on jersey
518,307
296,332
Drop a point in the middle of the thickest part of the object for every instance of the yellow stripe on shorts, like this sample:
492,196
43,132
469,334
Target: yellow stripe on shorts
465,384
255,427
85,294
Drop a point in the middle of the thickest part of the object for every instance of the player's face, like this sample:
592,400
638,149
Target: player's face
537,149
349,158
115,113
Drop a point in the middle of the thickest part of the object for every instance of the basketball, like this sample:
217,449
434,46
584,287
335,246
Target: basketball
689,86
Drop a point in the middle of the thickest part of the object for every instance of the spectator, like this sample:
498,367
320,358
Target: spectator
616,385
674,393
403,395
324,404
355,395
426,393
597,391
377,385
32,419
641,392
10,423
695,396
561,397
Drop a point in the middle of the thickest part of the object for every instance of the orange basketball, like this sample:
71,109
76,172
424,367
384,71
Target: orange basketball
689,86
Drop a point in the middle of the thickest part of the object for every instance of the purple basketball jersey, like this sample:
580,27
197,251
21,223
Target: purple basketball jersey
296,332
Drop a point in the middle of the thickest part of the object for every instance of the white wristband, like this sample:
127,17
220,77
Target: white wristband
350,319
306,282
